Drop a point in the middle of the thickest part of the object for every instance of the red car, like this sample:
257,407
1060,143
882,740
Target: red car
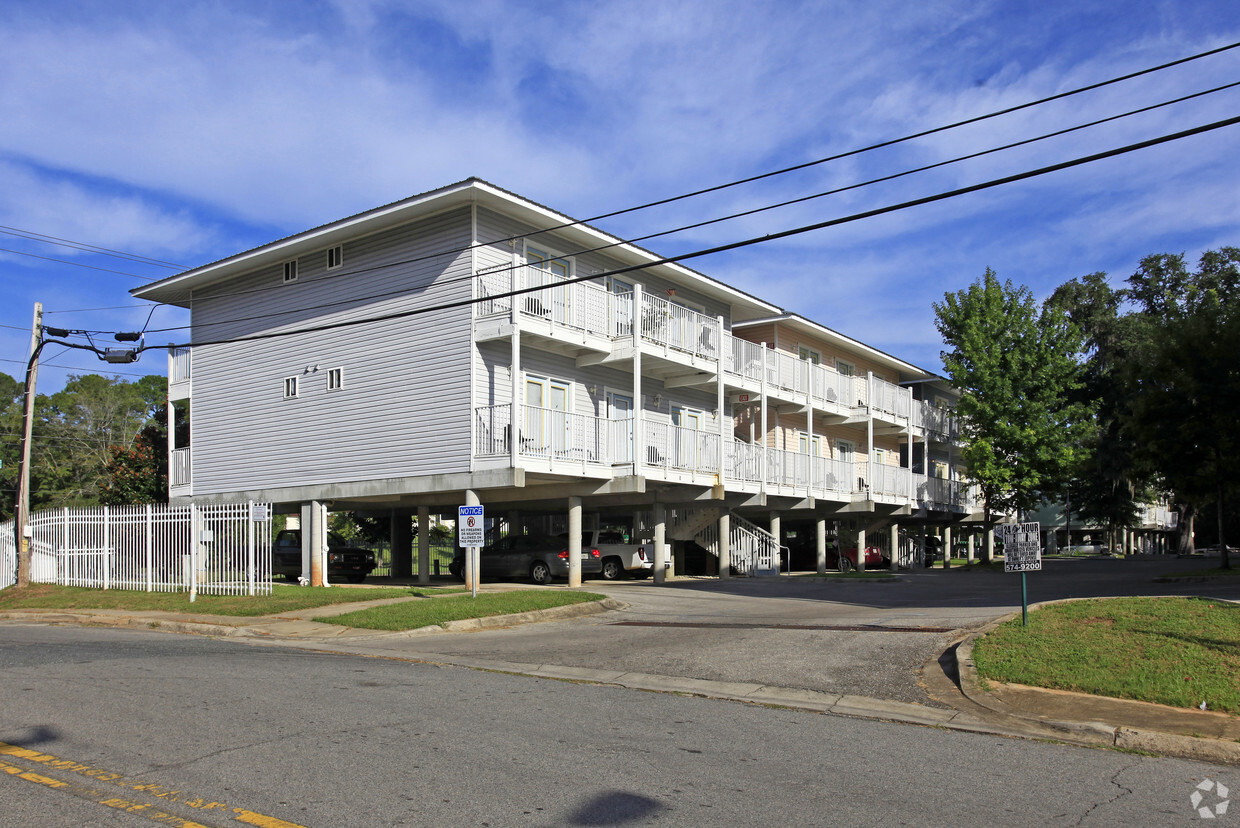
874,558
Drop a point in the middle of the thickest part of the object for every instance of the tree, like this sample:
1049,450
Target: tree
138,473
1184,379
1109,484
74,432
11,394
1016,367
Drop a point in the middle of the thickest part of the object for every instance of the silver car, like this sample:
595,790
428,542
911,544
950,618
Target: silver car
540,558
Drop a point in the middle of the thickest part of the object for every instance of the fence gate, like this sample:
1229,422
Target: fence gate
223,549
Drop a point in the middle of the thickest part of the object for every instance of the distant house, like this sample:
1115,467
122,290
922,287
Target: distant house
389,360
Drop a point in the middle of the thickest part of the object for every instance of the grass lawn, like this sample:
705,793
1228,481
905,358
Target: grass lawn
411,615
283,598
1216,572
1174,651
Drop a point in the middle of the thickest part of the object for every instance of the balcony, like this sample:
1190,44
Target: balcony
937,422
179,364
179,470
573,444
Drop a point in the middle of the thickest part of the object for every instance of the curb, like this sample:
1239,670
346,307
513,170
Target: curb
1089,733
269,627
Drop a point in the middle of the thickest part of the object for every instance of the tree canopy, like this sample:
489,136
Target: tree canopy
92,442
1016,367
1183,379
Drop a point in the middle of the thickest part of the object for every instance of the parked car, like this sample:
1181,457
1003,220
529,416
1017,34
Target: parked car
353,563
874,557
801,553
540,558
619,557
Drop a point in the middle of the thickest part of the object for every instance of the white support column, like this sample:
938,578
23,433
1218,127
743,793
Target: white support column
971,552
424,545
516,410
574,541
314,543
639,409
861,548
777,531
471,553
894,551
725,546
762,438
809,428
721,400
947,546
821,541
660,543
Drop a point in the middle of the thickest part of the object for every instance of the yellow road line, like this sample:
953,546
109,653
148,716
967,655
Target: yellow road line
150,789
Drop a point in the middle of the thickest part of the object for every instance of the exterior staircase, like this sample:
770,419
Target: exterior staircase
753,551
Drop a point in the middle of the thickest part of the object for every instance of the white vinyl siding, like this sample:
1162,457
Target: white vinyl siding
412,372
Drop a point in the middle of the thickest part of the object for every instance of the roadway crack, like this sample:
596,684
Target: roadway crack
1123,792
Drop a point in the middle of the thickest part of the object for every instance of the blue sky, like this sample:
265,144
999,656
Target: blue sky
186,132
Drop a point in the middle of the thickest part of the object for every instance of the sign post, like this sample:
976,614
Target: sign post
1022,552
469,523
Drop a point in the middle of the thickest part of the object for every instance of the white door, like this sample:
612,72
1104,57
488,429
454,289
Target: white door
546,417
546,270
620,412
685,437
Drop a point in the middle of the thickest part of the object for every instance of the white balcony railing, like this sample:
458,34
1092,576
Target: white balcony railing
179,467
891,399
179,365
679,328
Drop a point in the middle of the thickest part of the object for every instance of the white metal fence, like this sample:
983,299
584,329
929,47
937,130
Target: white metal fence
214,550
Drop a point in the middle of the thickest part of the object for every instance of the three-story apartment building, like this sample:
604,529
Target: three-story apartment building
470,345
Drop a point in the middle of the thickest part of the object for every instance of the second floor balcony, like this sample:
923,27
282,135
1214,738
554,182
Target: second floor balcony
579,444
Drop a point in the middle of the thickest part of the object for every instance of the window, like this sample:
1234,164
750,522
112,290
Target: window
335,257
290,271
804,444
880,456
290,387
335,379
809,355
846,368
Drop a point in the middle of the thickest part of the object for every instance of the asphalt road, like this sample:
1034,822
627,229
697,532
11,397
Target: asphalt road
866,638
225,733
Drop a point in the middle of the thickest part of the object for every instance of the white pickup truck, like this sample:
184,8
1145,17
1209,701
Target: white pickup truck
618,557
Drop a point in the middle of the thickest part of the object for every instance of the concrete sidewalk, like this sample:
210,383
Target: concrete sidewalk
1007,710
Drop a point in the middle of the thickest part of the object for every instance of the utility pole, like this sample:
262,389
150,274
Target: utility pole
22,510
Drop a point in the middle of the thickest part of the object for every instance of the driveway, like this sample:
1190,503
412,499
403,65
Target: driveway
868,638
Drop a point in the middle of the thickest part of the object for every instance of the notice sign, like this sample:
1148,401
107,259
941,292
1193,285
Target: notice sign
1022,546
469,526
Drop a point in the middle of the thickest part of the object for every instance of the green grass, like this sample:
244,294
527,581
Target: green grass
411,615
1217,572
1174,651
283,598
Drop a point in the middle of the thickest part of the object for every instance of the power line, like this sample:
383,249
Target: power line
110,307
743,214
75,264
718,187
86,248
1063,165
75,368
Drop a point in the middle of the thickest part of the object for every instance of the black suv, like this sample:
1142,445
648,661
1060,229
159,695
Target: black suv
343,559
